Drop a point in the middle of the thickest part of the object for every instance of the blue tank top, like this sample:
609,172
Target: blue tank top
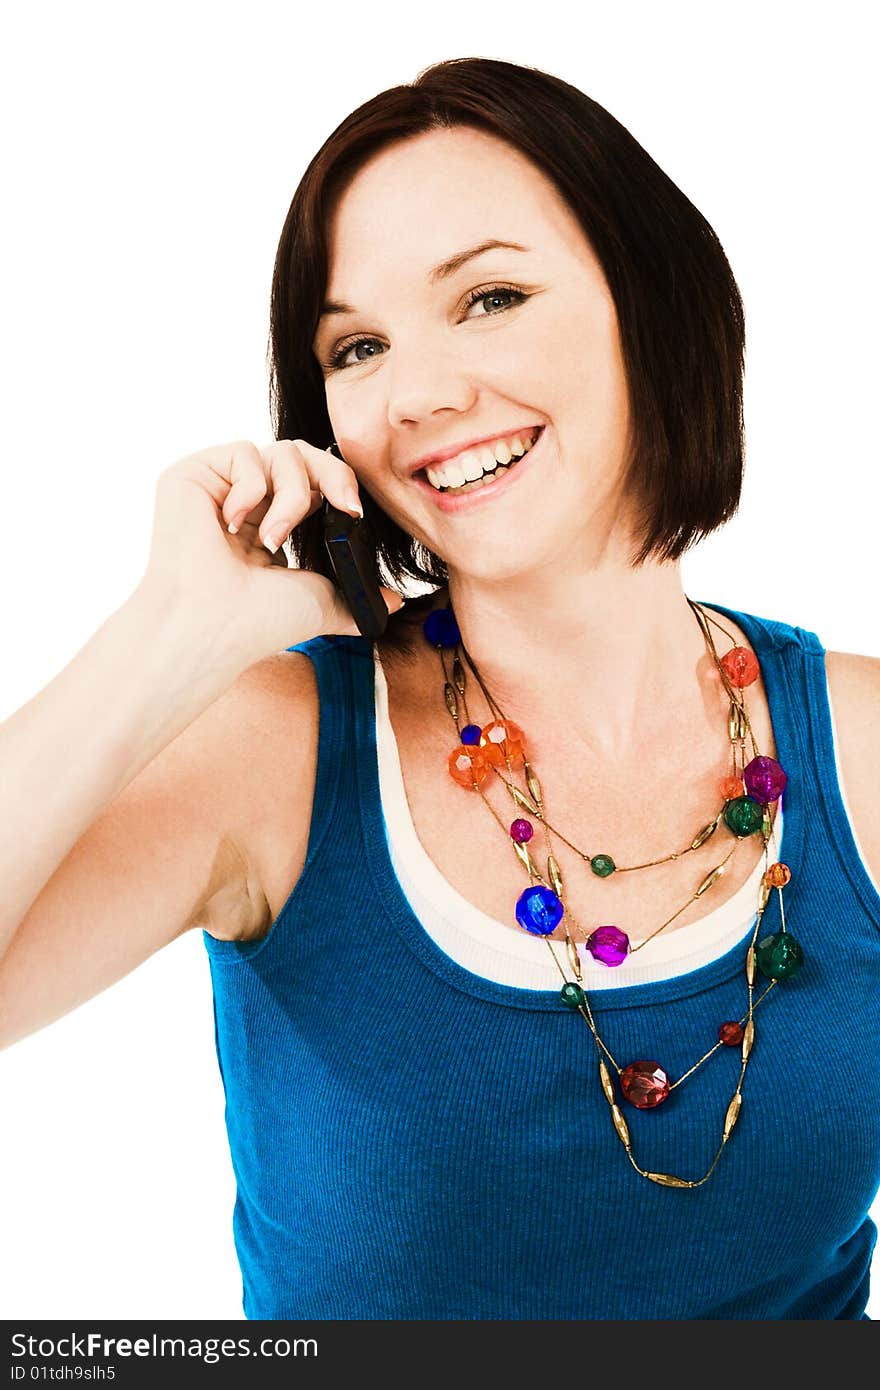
411,1140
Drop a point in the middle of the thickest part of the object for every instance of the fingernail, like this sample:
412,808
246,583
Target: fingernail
352,503
272,543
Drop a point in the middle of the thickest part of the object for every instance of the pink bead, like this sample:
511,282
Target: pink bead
521,831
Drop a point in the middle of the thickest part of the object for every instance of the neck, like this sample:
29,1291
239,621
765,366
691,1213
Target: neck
612,659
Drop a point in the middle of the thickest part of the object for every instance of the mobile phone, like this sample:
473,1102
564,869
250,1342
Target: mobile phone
356,569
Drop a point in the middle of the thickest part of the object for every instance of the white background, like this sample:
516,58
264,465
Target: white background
149,160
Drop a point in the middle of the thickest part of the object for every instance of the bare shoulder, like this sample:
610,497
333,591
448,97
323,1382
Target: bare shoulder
854,688
275,743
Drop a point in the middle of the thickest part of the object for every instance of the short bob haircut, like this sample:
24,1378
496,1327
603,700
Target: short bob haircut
680,316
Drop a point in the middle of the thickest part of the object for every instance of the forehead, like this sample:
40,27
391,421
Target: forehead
422,198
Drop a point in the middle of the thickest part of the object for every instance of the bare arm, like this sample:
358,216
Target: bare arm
138,681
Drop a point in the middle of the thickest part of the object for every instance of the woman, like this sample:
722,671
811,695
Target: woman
579,1052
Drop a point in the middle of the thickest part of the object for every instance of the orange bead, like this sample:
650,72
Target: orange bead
732,787
777,876
468,764
503,737
740,665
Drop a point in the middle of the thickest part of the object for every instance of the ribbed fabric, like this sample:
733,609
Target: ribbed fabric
412,1140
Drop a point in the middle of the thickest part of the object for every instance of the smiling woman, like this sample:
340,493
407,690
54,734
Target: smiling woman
529,346
520,1013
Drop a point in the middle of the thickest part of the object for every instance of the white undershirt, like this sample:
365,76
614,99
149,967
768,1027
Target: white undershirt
502,952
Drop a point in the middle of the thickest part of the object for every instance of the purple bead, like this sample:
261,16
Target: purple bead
764,779
521,831
609,945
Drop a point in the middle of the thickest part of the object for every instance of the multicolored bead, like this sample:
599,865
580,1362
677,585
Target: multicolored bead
440,628
764,779
740,665
645,1084
607,944
779,956
743,816
538,910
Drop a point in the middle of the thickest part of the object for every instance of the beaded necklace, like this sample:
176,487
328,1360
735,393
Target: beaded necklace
747,794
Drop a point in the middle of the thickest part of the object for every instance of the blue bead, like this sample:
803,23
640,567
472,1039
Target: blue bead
471,733
538,910
441,629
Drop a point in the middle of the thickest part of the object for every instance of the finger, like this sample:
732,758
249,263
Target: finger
241,467
301,476
331,476
291,489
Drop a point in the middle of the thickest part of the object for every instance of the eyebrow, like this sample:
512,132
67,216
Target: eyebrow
440,272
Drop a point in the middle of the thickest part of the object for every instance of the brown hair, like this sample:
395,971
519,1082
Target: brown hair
680,316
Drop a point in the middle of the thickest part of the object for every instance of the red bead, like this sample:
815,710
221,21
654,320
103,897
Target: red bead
467,764
645,1084
731,1034
503,742
740,665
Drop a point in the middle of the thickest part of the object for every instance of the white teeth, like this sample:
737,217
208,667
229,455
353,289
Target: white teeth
473,463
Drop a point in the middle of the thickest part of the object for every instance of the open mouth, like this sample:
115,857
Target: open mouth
451,498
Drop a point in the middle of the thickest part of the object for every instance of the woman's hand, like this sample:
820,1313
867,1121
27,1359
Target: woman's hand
215,511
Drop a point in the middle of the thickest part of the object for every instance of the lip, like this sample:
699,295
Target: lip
448,503
429,460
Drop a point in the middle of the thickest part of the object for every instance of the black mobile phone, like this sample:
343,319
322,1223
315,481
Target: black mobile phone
356,570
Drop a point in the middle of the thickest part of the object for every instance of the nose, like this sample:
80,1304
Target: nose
422,384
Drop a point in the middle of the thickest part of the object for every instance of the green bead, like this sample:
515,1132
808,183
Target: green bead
571,994
779,956
602,865
743,815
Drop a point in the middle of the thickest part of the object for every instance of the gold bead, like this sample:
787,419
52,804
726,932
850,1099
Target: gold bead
533,784
451,702
704,834
574,959
736,723
458,674
669,1180
554,875
620,1125
709,880
525,801
748,1038
750,965
607,1085
732,1115
526,859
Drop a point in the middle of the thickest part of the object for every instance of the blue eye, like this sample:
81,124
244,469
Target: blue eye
336,360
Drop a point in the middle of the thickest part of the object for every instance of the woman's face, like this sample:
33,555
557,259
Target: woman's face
420,368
